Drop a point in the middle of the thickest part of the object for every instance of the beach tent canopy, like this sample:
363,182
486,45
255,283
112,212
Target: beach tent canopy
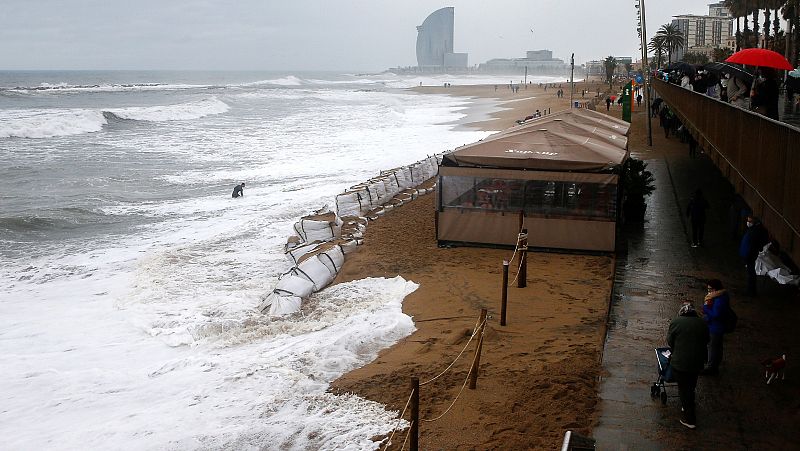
561,171
576,140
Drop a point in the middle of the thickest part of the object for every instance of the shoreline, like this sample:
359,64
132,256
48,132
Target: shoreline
539,374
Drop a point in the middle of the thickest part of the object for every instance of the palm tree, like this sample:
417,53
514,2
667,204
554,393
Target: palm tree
659,48
673,39
610,64
756,11
776,22
737,10
791,12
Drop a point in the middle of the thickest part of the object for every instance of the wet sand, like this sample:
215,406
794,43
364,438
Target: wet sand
538,374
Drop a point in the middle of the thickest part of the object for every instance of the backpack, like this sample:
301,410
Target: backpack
729,323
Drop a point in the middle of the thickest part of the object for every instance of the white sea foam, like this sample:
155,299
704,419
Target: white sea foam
46,123
290,80
180,112
55,88
147,337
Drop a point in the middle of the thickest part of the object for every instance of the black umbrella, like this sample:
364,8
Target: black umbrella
681,66
735,70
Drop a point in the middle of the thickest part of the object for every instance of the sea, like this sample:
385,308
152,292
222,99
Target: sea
130,279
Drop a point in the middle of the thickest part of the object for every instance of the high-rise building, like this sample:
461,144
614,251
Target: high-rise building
435,42
702,34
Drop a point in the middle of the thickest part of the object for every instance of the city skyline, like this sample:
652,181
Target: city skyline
307,35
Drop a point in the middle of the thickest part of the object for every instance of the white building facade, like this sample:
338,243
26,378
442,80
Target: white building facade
702,34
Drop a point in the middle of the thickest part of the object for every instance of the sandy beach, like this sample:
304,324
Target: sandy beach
538,374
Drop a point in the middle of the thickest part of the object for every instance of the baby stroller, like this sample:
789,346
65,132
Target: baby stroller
659,387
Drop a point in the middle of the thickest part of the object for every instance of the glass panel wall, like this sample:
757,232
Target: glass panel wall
552,199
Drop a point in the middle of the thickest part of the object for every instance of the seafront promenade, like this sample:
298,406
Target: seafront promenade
656,269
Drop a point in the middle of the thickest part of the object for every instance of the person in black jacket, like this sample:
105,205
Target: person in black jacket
238,190
696,212
764,95
753,240
687,338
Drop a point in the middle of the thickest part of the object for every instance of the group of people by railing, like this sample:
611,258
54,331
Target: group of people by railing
759,95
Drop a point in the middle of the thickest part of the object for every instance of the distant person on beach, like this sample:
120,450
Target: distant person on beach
696,212
238,190
687,338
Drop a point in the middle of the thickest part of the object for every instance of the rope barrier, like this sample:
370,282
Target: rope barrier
399,419
524,254
408,434
458,356
456,399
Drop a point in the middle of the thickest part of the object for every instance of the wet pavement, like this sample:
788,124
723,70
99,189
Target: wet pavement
656,269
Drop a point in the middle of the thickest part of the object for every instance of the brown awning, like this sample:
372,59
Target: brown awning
572,140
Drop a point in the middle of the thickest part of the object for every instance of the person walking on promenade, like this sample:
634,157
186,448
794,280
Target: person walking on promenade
738,92
696,212
764,96
666,118
753,240
687,337
716,307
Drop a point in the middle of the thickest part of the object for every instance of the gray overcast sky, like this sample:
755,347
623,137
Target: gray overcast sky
309,34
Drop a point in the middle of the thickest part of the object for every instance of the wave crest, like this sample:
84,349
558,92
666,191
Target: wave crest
179,112
48,123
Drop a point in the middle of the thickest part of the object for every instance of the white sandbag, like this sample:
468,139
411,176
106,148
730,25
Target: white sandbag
292,242
407,174
350,246
294,254
352,203
380,191
390,186
296,285
399,179
418,174
321,227
285,305
767,261
333,258
316,271
280,303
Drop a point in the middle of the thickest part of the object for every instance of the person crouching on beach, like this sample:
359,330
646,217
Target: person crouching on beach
238,190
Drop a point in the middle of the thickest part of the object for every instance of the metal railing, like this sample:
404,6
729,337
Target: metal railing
759,156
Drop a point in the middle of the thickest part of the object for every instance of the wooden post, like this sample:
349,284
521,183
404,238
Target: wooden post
521,219
473,372
414,439
504,294
522,277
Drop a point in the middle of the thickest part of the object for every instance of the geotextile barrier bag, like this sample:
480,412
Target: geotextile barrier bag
322,227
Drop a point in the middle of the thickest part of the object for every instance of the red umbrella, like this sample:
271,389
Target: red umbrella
761,58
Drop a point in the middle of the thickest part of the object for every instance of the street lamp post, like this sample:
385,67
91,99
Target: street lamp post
645,69
571,78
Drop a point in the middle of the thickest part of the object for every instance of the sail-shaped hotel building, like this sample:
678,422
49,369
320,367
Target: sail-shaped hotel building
435,42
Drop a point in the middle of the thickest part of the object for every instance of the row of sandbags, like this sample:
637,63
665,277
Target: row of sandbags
365,197
322,239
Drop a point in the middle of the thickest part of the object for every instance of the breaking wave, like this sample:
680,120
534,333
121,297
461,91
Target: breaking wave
48,123
66,87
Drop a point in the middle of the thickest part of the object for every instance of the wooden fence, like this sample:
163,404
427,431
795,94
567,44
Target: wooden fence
759,156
